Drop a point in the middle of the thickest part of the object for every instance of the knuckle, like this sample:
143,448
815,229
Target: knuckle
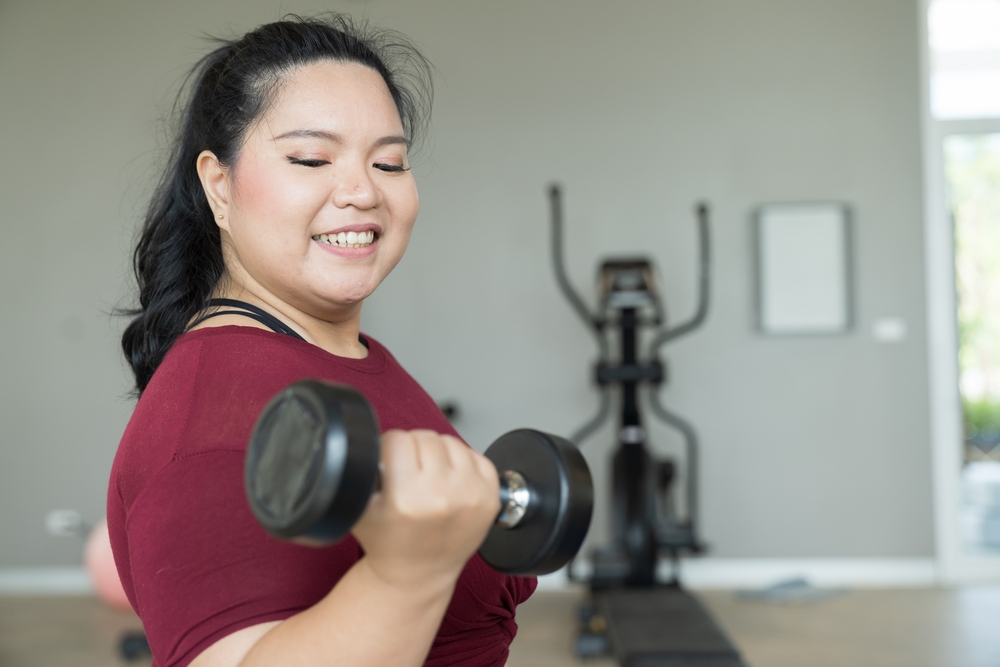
452,441
487,469
423,435
395,435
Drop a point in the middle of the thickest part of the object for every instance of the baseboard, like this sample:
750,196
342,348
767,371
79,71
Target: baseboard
851,572
45,581
707,573
696,573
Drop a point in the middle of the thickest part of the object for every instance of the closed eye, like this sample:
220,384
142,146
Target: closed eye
390,167
307,163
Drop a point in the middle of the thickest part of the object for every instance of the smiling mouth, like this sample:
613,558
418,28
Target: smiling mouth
347,239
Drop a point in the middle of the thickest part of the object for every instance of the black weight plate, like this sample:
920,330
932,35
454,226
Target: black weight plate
312,461
558,515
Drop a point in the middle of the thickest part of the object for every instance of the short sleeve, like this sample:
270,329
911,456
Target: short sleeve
202,567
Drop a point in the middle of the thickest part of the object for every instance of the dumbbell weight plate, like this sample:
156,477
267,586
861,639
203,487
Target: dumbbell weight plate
312,462
558,516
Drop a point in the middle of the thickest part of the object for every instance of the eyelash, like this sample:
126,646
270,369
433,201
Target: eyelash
391,168
381,166
307,163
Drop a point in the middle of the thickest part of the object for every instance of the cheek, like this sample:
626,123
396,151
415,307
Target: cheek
274,215
405,206
271,213
261,193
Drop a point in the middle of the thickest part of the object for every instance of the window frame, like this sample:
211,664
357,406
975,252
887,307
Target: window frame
954,566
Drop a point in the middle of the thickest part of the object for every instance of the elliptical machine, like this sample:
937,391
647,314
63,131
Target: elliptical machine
631,613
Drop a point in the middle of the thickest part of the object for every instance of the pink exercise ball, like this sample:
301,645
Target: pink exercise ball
100,564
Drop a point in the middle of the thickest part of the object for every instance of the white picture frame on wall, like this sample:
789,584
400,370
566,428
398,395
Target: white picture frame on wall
803,269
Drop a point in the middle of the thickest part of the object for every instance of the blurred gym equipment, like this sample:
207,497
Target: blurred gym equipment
632,614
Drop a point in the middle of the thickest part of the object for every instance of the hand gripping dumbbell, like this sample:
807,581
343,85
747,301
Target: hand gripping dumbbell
313,463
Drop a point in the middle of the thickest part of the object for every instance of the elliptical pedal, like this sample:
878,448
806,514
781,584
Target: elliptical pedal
652,627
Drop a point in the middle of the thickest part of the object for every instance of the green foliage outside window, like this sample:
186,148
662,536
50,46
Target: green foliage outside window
973,169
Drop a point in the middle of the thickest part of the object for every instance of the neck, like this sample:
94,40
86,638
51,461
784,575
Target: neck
336,331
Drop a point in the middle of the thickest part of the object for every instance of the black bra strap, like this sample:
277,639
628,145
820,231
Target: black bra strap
247,310
244,313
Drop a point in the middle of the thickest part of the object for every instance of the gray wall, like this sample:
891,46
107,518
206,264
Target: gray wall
813,447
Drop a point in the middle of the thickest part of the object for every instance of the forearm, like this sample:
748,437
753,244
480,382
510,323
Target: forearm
363,621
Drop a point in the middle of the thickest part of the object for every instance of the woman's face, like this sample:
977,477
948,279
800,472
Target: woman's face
320,202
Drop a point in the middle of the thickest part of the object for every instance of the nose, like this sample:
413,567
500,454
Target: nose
355,188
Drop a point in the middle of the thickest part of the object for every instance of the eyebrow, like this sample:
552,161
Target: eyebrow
333,137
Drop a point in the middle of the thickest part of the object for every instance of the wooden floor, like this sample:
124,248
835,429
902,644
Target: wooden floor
61,632
865,628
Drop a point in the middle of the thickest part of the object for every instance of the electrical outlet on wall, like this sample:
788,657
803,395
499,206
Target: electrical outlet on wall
889,330
65,523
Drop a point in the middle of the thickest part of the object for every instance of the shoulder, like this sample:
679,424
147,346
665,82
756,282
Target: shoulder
212,384
224,376
206,395
240,350
225,366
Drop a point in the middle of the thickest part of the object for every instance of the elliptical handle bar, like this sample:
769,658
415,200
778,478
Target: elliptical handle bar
589,320
704,286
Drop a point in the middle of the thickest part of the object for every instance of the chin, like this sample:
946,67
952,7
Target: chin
347,297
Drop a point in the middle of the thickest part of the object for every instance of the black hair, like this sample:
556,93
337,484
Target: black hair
178,258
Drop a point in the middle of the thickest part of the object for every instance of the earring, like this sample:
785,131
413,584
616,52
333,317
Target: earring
221,216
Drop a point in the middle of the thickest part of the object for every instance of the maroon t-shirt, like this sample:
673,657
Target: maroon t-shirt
195,564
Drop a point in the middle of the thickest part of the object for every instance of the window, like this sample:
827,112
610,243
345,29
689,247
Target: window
965,58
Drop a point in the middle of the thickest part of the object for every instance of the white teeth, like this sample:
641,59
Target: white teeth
347,239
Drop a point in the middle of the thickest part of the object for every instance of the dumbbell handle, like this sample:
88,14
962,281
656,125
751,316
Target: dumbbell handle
516,497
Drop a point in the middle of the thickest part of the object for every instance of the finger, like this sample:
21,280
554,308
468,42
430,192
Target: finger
400,457
433,454
489,482
486,468
459,454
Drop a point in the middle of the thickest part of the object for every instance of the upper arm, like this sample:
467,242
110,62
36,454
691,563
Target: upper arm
231,649
206,574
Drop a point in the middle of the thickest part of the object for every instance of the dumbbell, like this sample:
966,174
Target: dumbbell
313,463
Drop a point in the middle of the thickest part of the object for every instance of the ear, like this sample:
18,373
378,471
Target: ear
215,182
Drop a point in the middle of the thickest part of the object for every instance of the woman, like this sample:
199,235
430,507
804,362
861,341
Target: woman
287,201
